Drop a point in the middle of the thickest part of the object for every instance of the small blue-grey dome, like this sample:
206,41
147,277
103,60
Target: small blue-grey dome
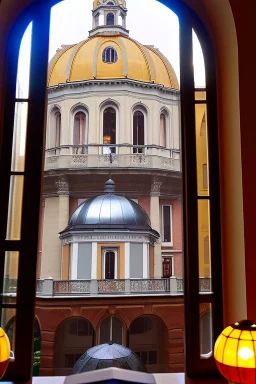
109,211
106,356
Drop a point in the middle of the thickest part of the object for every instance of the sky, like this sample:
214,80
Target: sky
148,21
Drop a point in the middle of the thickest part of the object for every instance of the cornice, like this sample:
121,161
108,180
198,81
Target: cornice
126,81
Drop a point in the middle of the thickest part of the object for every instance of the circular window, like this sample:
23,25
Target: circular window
109,55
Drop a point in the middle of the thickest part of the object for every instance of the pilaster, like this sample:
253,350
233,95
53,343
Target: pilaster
155,224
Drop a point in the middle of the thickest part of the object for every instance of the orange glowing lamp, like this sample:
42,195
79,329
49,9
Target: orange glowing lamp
6,355
235,352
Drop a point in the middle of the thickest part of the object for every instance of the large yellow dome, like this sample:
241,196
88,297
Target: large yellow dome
83,61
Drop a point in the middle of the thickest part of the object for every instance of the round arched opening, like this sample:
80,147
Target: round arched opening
73,337
148,338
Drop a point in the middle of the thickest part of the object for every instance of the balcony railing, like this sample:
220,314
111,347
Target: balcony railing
173,285
50,287
119,156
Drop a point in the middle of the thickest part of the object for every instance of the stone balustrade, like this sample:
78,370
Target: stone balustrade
172,285
50,287
118,156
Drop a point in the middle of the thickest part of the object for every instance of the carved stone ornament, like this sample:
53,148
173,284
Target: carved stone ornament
156,188
108,237
62,186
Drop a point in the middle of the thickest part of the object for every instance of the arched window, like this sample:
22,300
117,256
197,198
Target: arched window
110,3
109,55
163,130
147,335
73,337
111,329
109,129
110,19
79,128
57,124
138,131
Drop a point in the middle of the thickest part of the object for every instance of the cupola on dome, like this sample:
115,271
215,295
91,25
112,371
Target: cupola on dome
110,212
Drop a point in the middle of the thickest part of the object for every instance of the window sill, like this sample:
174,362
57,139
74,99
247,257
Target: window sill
161,378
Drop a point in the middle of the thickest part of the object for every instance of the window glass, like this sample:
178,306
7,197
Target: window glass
204,250
167,224
163,130
22,85
79,129
19,136
206,338
109,55
11,265
110,19
198,63
8,323
202,149
15,208
109,129
111,329
57,128
138,131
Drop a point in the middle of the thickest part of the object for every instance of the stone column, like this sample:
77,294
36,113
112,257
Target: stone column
155,224
63,216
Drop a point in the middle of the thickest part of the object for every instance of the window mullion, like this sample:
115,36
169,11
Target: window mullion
190,210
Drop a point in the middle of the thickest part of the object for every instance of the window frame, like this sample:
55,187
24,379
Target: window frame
166,115
170,243
106,18
114,54
39,12
104,250
103,107
86,125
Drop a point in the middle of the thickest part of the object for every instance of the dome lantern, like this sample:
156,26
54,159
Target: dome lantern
108,18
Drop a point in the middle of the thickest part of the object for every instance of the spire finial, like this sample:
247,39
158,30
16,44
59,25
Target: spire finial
109,186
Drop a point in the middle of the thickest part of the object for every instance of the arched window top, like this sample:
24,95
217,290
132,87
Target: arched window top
55,111
164,112
110,19
138,113
139,107
79,108
109,55
110,3
80,327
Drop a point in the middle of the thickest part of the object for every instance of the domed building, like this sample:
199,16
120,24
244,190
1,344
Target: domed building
113,108
123,224
110,261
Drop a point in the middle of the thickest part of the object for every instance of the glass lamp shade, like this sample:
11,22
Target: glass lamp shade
235,352
5,352
106,140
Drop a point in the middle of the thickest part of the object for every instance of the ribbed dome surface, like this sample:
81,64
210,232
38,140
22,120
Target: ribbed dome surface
83,61
108,355
110,211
